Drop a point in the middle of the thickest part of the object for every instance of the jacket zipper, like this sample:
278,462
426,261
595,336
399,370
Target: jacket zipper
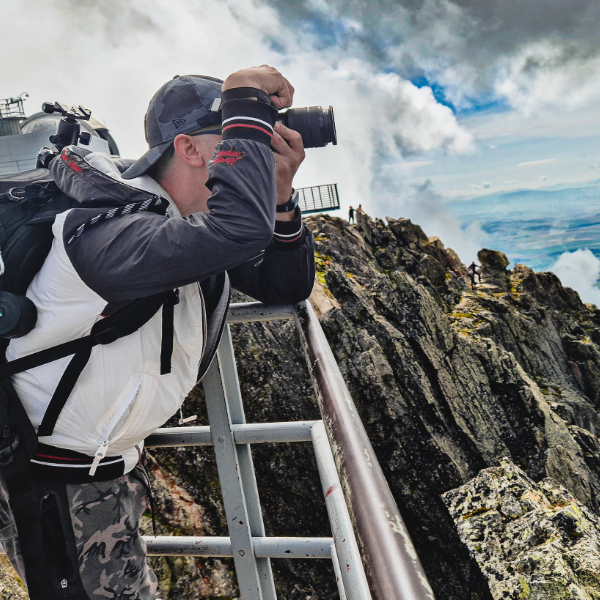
105,439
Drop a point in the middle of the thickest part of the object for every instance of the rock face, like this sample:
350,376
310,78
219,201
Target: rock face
448,381
534,541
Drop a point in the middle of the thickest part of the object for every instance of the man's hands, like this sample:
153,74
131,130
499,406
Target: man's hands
264,78
287,160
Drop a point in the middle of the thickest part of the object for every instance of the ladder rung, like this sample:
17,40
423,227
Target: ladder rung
257,311
272,547
249,433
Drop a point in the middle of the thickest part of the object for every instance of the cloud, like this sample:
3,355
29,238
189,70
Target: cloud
484,186
535,163
580,270
534,54
550,74
121,53
415,164
424,206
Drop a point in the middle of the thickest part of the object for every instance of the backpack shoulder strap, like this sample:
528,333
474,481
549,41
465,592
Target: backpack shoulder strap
124,322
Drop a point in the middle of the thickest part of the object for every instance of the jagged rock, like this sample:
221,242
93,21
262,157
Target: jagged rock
493,260
407,233
11,587
447,381
532,541
494,265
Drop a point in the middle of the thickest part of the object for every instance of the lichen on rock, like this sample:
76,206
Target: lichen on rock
531,540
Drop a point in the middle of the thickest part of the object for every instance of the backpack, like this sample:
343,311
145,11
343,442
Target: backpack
29,203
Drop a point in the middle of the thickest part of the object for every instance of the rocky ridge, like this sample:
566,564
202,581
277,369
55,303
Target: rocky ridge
448,381
532,541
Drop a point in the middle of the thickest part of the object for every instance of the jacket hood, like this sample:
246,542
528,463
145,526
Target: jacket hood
93,180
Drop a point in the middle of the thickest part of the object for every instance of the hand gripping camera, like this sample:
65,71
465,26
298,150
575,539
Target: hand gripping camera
315,124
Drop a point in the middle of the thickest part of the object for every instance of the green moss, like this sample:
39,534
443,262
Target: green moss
322,262
477,511
526,593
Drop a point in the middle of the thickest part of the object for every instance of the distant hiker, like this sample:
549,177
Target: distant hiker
454,271
472,272
359,209
351,215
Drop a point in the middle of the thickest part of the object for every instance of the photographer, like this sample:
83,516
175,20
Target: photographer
223,184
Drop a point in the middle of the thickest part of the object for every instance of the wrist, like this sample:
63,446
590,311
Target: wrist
284,194
286,211
236,81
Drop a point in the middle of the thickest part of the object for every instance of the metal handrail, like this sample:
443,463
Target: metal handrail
391,563
319,198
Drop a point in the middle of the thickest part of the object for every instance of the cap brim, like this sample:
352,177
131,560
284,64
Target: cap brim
147,160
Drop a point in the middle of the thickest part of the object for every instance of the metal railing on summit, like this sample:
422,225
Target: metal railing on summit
319,198
383,564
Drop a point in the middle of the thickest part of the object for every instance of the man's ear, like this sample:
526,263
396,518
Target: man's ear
189,149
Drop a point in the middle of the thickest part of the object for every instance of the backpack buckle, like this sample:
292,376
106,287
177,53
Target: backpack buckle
106,337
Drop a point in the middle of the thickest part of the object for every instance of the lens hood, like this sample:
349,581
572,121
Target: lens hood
18,315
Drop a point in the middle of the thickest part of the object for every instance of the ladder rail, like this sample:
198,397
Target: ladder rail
393,569
264,547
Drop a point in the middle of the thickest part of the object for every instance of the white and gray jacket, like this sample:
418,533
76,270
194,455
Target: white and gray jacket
120,397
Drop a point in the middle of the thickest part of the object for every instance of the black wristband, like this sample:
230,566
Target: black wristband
245,92
291,204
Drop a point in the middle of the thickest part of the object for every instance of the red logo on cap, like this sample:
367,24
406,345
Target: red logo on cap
229,157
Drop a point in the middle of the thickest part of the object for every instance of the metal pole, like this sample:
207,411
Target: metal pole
338,573
391,562
353,580
230,477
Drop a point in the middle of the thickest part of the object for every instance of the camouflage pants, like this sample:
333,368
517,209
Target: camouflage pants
91,538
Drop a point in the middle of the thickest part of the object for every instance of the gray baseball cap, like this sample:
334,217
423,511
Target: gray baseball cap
183,105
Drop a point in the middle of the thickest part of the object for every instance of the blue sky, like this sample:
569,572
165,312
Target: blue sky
438,102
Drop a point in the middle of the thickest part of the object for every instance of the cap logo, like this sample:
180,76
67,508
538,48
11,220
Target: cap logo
178,123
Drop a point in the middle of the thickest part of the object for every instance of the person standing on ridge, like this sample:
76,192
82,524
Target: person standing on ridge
231,220
472,272
351,215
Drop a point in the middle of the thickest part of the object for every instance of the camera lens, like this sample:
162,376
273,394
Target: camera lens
315,124
18,315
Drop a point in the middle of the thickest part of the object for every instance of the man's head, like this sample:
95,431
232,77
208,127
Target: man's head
181,106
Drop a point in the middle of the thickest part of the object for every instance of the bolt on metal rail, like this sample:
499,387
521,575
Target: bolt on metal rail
382,564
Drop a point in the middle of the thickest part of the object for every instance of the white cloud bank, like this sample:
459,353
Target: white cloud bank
580,270
425,207
112,56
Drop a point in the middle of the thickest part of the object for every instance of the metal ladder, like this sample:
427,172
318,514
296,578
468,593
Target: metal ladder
393,570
